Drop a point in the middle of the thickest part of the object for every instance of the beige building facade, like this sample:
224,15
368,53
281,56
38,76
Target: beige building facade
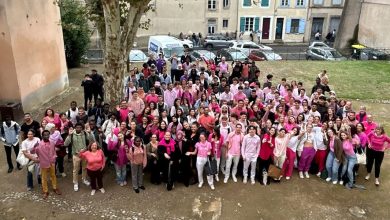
32,59
323,16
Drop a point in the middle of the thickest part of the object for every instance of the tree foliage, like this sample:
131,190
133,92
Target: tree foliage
75,31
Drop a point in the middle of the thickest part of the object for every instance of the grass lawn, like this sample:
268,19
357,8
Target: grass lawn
364,82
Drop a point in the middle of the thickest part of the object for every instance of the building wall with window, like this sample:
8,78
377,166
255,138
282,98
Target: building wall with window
323,16
221,16
273,20
174,17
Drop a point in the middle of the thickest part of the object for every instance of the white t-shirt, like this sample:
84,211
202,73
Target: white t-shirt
28,145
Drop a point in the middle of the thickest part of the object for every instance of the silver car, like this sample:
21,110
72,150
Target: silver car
323,53
216,41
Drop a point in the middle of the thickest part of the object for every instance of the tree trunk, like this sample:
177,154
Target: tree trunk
119,44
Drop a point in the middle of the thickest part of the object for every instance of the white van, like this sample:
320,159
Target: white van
166,45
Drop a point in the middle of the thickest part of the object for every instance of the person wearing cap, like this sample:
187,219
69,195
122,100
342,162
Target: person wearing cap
153,78
247,91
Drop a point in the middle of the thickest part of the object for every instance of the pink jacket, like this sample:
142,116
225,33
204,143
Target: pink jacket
121,149
170,146
216,150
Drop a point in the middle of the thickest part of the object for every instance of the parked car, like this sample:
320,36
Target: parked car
204,55
361,52
247,46
186,43
232,54
216,41
319,53
319,44
259,55
136,56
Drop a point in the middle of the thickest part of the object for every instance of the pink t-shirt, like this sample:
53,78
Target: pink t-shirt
203,148
348,148
378,142
235,141
95,161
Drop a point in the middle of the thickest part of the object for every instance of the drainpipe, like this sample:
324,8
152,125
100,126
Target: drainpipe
307,21
238,32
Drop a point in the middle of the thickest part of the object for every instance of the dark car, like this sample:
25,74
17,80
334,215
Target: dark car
232,54
373,54
216,41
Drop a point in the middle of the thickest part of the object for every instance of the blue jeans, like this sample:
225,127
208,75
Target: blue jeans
121,173
348,165
332,166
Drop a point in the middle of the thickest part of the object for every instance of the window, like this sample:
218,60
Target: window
264,3
318,2
301,3
336,2
246,3
226,3
212,4
284,3
249,23
211,26
225,23
294,26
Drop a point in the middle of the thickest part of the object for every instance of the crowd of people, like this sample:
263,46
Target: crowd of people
212,119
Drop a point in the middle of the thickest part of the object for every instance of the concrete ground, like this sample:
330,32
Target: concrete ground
294,199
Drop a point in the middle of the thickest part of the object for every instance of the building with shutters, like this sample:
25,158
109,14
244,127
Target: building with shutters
273,20
323,16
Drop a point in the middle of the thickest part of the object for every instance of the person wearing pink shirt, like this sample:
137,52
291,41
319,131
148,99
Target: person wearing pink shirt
297,108
95,165
123,111
281,142
46,153
240,95
239,108
136,104
170,95
118,149
203,150
350,158
234,141
266,153
151,97
249,151
377,141
138,160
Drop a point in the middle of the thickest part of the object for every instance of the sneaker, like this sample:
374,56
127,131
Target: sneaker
124,183
253,181
216,178
319,174
301,175
63,174
367,177
10,171
347,186
287,178
234,179
45,195
377,181
86,182
76,187
245,180
102,190
334,182
29,189
328,179
121,184
93,192
200,184
212,187
57,191
341,182
265,178
225,180
142,187
307,175
136,190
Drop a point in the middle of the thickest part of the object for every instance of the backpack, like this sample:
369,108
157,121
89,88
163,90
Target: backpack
85,136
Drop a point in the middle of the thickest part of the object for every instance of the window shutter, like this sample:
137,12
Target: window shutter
264,3
242,24
301,28
257,21
304,3
247,3
288,25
